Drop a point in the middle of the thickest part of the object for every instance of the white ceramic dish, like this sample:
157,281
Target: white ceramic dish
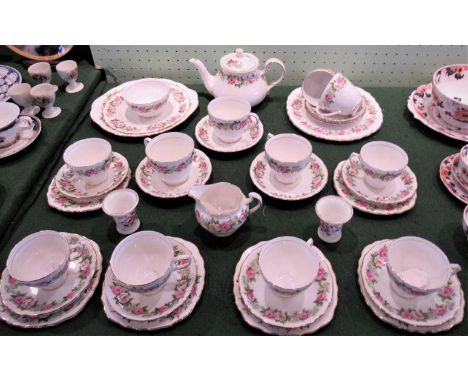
311,181
446,174
205,135
98,104
23,141
370,122
151,184
8,77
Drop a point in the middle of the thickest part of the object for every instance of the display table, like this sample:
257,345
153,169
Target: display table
24,173
437,216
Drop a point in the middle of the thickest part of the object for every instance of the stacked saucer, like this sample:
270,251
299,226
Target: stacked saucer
91,171
424,313
139,299
453,173
287,309
377,193
287,169
330,107
43,298
121,111
24,137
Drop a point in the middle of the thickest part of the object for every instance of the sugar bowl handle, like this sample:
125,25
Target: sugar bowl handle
254,196
268,64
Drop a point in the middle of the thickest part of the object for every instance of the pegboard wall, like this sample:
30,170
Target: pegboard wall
364,65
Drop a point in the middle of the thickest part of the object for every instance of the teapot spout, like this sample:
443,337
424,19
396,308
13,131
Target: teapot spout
206,77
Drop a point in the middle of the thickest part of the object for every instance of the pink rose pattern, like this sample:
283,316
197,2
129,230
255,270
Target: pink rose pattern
442,305
115,100
322,280
125,298
240,80
336,85
222,225
23,301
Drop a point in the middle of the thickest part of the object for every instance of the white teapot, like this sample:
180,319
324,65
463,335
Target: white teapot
239,76
221,208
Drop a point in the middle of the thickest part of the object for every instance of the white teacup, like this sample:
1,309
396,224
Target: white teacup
12,124
463,165
417,267
465,222
20,94
381,161
40,260
314,84
147,97
287,155
44,95
340,97
171,155
40,72
333,211
121,205
144,261
230,117
88,161
288,264
68,71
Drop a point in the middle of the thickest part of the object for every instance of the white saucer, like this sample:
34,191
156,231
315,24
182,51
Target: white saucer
77,189
63,203
286,311
257,323
398,191
149,182
22,142
66,313
311,181
177,315
204,133
421,105
446,173
370,122
367,206
147,307
396,323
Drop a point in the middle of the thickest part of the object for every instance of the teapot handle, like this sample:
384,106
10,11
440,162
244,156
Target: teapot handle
252,196
270,62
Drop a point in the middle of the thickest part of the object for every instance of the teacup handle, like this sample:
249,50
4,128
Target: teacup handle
175,267
355,159
278,62
254,196
310,242
76,256
454,268
23,130
331,114
254,117
146,141
72,177
270,135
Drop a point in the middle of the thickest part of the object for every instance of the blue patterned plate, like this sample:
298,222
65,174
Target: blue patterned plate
8,77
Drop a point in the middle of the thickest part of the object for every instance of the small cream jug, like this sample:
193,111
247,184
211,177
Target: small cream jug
221,208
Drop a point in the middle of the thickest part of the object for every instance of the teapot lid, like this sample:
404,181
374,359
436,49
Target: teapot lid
239,62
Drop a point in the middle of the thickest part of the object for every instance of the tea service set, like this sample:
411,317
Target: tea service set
19,129
285,286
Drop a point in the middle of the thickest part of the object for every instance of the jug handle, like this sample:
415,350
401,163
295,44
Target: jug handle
250,199
270,62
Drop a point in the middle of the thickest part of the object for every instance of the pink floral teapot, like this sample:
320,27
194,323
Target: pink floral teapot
240,77
221,208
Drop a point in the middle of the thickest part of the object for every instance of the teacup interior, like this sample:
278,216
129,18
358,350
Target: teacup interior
146,91
289,264
39,67
288,148
228,109
120,202
384,156
19,89
334,210
142,259
8,113
43,90
314,84
418,262
170,149
87,152
38,256
453,87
